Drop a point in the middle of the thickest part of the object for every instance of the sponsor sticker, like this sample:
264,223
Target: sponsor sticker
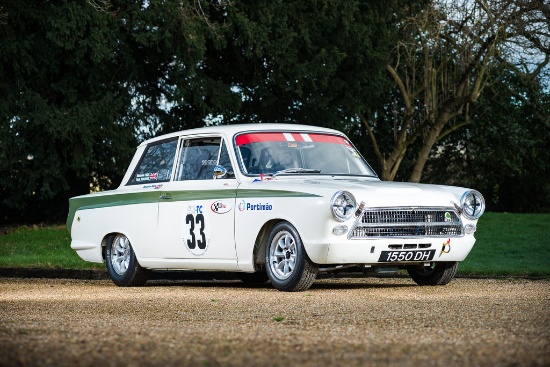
263,178
255,205
445,247
221,206
153,176
155,187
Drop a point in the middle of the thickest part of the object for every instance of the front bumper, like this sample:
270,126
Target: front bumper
344,251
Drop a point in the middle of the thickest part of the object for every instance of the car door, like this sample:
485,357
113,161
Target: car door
196,209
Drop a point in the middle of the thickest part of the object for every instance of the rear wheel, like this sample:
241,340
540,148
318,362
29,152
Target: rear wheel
288,266
122,265
438,273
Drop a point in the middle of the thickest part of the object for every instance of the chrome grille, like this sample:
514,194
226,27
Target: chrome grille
408,222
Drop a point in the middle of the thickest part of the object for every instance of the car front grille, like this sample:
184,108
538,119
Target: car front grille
407,222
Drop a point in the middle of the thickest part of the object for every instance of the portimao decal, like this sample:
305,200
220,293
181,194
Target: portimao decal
266,205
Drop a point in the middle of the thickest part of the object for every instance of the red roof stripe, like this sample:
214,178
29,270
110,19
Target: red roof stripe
259,137
299,137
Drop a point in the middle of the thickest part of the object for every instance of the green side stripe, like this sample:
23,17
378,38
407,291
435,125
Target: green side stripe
102,201
148,197
255,193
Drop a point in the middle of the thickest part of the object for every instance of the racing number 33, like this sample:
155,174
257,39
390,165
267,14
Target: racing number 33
199,220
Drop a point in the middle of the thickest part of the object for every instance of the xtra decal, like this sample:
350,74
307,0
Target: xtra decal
221,206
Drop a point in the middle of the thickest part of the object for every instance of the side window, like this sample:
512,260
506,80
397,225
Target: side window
156,164
198,158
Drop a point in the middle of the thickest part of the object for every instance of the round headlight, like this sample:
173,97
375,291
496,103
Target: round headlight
342,206
473,204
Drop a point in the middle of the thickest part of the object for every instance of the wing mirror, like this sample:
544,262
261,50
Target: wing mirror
219,171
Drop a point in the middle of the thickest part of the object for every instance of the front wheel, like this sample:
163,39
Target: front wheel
288,266
438,273
122,265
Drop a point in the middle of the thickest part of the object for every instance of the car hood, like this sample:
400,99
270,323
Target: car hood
373,192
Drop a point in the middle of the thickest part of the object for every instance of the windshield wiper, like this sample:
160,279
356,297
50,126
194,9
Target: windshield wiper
296,170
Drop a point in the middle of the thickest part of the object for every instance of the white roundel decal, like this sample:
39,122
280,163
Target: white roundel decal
195,229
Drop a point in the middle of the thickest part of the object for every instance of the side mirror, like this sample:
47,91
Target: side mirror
219,171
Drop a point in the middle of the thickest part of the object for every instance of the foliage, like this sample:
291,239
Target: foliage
84,81
74,81
503,151
310,62
59,106
442,64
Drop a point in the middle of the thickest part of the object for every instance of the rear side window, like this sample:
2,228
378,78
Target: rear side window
156,163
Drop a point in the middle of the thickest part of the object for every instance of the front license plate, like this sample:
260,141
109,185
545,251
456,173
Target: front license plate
398,256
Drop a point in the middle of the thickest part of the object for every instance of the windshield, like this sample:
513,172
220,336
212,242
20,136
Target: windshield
299,153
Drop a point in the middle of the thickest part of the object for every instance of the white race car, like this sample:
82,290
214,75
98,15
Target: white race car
274,202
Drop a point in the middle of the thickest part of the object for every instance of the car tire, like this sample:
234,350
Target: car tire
122,265
288,266
438,273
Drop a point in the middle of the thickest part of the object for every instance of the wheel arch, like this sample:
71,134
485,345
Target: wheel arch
258,255
106,239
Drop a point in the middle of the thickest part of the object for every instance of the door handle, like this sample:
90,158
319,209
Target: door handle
166,197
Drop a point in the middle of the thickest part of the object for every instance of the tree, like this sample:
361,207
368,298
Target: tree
301,61
506,157
77,81
445,60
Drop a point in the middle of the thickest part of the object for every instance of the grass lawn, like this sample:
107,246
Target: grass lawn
510,244
40,247
507,244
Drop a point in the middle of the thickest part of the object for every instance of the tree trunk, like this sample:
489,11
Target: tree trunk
427,145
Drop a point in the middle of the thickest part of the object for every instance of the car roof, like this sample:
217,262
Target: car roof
231,130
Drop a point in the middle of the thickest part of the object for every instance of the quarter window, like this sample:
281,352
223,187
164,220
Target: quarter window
156,164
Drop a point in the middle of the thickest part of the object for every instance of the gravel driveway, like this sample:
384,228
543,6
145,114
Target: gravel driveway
338,322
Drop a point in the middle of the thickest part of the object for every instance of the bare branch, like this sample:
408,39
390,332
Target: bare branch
103,6
377,151
448,55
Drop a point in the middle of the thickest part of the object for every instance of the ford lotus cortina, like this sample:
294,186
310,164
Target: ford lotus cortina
273,202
